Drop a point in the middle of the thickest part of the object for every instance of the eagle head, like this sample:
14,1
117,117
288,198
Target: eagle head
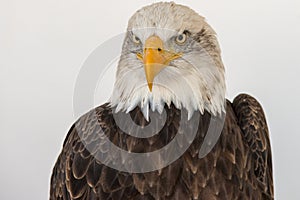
170,55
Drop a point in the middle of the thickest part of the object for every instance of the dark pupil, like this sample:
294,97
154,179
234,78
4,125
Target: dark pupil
180,37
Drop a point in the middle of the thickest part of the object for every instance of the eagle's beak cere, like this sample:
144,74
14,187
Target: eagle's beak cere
155,58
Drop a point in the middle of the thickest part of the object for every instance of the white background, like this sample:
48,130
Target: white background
43,44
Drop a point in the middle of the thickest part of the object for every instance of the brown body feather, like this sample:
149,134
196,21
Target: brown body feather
238,167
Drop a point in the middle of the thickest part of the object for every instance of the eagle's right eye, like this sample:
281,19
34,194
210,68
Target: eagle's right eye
135,39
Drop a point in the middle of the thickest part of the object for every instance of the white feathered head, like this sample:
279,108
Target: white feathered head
170,55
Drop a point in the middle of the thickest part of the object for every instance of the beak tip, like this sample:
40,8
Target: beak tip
150,86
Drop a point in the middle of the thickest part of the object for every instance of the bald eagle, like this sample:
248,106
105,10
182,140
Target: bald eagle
170,67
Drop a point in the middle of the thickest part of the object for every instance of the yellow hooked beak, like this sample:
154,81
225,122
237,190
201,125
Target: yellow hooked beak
155,58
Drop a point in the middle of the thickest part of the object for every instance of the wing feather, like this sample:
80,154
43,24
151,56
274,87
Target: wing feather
252,122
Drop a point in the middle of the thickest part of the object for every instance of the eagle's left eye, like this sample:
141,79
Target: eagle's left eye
181,38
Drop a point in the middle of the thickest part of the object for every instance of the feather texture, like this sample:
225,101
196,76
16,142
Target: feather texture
238,167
